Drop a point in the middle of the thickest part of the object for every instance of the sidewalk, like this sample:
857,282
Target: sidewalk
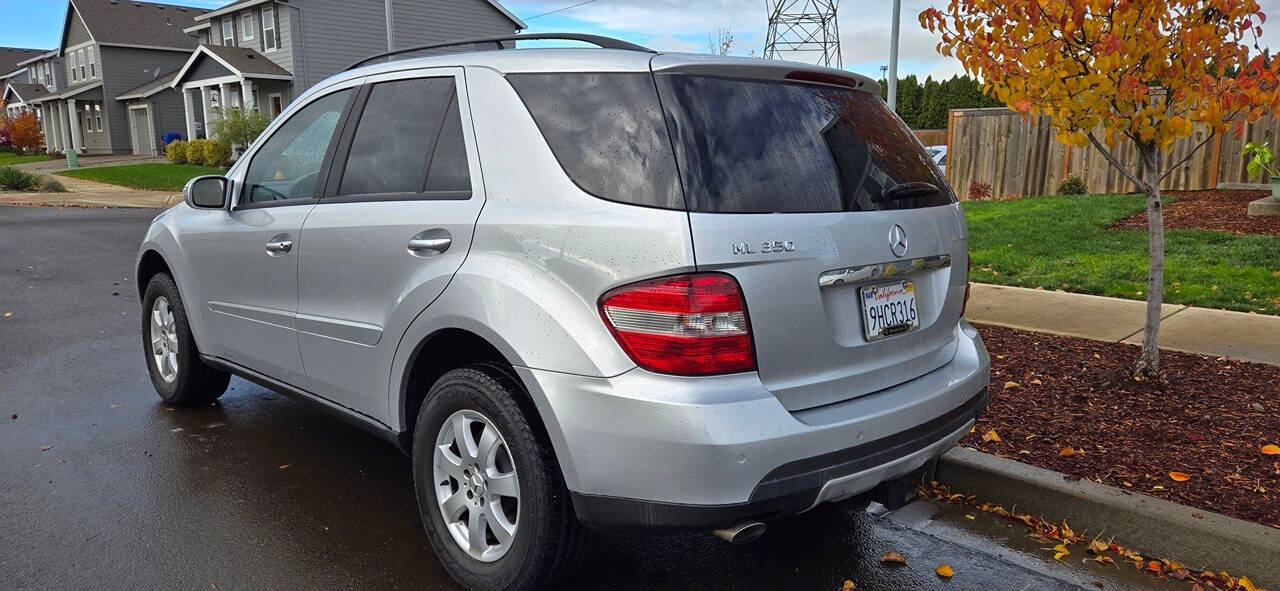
82,193
52,166
1219,333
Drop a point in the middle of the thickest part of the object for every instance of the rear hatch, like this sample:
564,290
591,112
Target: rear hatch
811,193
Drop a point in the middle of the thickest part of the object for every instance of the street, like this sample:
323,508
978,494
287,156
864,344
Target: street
103,486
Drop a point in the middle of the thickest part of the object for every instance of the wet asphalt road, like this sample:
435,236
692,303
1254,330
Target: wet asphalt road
262,492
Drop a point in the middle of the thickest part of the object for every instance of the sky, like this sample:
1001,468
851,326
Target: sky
669,25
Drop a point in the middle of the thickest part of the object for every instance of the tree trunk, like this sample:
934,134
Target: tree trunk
1149,363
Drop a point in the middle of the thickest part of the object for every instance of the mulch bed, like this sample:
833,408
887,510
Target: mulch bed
1208,420
1224,210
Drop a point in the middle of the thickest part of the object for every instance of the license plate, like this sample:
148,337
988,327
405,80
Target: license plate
889,309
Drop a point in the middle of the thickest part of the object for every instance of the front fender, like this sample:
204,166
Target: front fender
161,238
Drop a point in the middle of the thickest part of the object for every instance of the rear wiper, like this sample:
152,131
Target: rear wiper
907,191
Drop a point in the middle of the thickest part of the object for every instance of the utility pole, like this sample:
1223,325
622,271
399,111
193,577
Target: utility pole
804,27
893,56
391,27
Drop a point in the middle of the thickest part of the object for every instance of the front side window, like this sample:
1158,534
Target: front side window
228,31
246,27
287,166
409,142
268,28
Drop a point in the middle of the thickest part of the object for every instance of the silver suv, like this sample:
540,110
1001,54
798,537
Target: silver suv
586,289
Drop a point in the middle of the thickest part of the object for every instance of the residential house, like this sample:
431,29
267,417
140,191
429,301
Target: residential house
260,54
15,80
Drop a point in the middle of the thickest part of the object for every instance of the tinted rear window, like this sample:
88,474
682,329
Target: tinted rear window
608,133
761,146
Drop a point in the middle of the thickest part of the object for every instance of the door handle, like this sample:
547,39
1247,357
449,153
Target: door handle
430,242
280,246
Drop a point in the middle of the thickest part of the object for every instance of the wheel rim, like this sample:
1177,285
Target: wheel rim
476,485
164,340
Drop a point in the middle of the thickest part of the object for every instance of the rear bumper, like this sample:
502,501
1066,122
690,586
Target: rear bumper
646,452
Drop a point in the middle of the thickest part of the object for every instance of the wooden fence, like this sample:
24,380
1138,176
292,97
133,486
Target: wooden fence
931,137
1022,157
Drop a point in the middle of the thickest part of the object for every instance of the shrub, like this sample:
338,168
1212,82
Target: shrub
239,127
1072,185
176,152
49,184
216,153
979,190
10,150
16,180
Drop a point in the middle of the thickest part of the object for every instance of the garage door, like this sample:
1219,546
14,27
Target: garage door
144,142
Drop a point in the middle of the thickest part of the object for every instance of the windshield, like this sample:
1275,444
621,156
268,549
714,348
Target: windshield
747,146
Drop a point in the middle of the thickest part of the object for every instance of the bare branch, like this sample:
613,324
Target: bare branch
1106,153
1212,132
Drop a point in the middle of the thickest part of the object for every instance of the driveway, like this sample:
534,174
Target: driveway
101,485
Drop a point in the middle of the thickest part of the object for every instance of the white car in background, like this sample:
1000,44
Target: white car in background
939,156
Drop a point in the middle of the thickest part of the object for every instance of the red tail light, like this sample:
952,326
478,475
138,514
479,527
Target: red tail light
693,325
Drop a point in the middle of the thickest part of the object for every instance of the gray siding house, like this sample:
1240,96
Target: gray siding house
20,85
260,54
93,90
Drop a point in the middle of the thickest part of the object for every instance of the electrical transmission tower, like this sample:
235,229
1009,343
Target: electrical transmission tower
806,27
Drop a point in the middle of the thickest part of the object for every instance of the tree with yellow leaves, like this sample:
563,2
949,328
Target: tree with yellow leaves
1149,71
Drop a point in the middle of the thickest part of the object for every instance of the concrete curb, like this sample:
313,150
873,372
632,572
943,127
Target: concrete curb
1153,527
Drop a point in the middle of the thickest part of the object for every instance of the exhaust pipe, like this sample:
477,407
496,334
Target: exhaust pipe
741,533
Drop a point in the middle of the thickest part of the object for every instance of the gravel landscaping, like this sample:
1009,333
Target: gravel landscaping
1071,405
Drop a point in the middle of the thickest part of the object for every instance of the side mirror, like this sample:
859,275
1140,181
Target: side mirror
206,192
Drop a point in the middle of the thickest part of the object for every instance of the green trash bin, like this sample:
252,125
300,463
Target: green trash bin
73,159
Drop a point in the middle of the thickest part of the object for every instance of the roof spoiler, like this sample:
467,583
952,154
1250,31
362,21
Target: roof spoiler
597,40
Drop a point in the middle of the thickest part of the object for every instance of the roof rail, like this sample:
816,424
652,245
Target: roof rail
598,40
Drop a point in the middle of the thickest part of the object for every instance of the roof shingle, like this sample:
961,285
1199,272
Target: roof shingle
10,57
127,22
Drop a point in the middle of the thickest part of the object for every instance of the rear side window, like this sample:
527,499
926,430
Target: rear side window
608,133
408,141
762,146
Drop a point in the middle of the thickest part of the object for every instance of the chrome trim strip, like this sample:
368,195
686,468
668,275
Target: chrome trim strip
254,313
864,273
342,330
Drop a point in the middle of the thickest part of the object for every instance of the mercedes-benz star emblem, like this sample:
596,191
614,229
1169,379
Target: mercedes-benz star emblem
898,240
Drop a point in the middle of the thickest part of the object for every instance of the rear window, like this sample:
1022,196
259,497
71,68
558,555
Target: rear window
763,146
608,133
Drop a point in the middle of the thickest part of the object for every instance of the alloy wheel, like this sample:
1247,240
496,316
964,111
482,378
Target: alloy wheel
476,485
164,339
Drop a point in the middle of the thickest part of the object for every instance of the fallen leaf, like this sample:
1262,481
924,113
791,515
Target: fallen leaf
1247,585
8,314
1036,382
848,586
46,447
1067,452
1154,567
991,436
1097,547
1008,385
1271,450
944,570
285,466
1059,551
893,557
970,516
1179,477
1104,560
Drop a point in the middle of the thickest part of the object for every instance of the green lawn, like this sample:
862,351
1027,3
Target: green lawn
153,176
7,159
1063,243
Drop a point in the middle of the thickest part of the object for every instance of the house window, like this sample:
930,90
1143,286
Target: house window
246,26
97,117
87,122
71,59
80,60
268,28
228,31
93,62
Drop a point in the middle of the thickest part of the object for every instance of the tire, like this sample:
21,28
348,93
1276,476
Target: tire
193,382
548,541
